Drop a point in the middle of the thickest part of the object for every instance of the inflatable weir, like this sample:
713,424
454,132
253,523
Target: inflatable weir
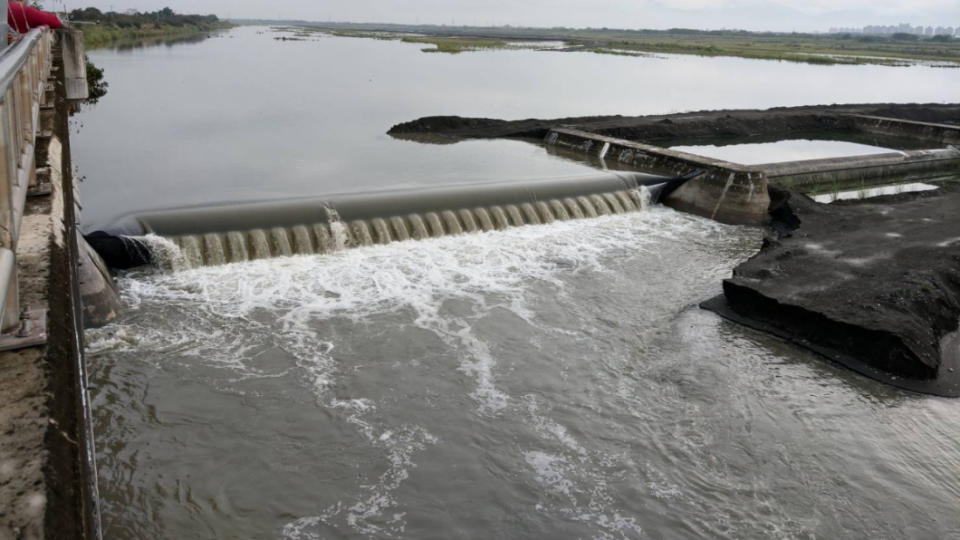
214,235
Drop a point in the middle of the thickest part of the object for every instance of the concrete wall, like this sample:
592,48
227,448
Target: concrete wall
48,462
735,193
726,192
936,134
861,171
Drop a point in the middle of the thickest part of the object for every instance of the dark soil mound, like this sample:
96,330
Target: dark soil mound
874,286
777,123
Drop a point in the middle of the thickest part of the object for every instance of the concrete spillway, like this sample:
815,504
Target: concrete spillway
237,233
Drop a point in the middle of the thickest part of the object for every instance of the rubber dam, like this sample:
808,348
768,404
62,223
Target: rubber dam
238,233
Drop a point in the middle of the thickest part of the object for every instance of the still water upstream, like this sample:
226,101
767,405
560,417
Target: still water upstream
554,381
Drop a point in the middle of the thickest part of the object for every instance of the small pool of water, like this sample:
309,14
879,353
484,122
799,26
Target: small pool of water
786,150
876,191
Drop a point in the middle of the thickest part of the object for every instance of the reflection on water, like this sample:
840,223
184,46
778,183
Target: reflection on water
876,191
785,150
126,45
246,117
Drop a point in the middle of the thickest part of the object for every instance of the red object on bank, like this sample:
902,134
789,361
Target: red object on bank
22,18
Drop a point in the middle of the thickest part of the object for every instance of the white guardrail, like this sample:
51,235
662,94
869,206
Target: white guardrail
24,69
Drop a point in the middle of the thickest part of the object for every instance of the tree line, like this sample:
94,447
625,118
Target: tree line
137,19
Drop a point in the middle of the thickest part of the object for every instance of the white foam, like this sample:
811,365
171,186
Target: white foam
219,316
486,270
585,493
549,470
550,428
165,253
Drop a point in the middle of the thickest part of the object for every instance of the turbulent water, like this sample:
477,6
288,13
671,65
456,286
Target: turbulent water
544,381
552,381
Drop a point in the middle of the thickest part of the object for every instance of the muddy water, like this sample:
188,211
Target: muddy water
550,381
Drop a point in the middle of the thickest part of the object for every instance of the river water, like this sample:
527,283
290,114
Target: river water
553,381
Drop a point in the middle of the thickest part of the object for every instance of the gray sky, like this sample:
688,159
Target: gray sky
781,15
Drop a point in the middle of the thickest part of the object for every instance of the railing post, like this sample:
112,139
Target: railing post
4,29
11,305
25,67
8,168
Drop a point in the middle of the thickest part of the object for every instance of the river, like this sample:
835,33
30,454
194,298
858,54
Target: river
554,381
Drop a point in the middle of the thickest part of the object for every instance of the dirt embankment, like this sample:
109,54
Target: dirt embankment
776,123
873,285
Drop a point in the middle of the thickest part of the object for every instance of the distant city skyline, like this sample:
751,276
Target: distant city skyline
757,15
902,28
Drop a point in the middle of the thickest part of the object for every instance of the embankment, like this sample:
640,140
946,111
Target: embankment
770,124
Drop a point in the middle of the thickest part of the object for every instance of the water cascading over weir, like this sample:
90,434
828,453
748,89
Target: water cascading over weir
215,235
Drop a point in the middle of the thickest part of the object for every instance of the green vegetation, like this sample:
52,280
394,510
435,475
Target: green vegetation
96,83
828,49
455,45
368,35
108,29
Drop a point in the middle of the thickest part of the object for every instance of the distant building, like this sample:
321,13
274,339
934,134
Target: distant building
902,28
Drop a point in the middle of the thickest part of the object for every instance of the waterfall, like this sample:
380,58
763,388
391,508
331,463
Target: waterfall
259,246
484,218
559,210
361,233
574,208
600,205
513,212
436,227
213,253
400,228
340,234
530,216
190,251
499,218
587,206
238,247
301,240
190,246
325,240
280,242
469,223
418,226
451,221
544,211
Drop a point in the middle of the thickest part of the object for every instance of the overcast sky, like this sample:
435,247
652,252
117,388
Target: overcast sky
781,15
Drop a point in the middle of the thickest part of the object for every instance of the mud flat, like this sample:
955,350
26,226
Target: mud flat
873,285
770,124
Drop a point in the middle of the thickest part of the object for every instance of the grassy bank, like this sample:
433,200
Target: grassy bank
113,29
807,48
99,36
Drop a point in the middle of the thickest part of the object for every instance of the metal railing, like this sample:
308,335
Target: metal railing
24,69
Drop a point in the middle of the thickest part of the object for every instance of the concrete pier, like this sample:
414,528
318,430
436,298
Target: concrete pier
736,193
726,192
864,171
941,134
